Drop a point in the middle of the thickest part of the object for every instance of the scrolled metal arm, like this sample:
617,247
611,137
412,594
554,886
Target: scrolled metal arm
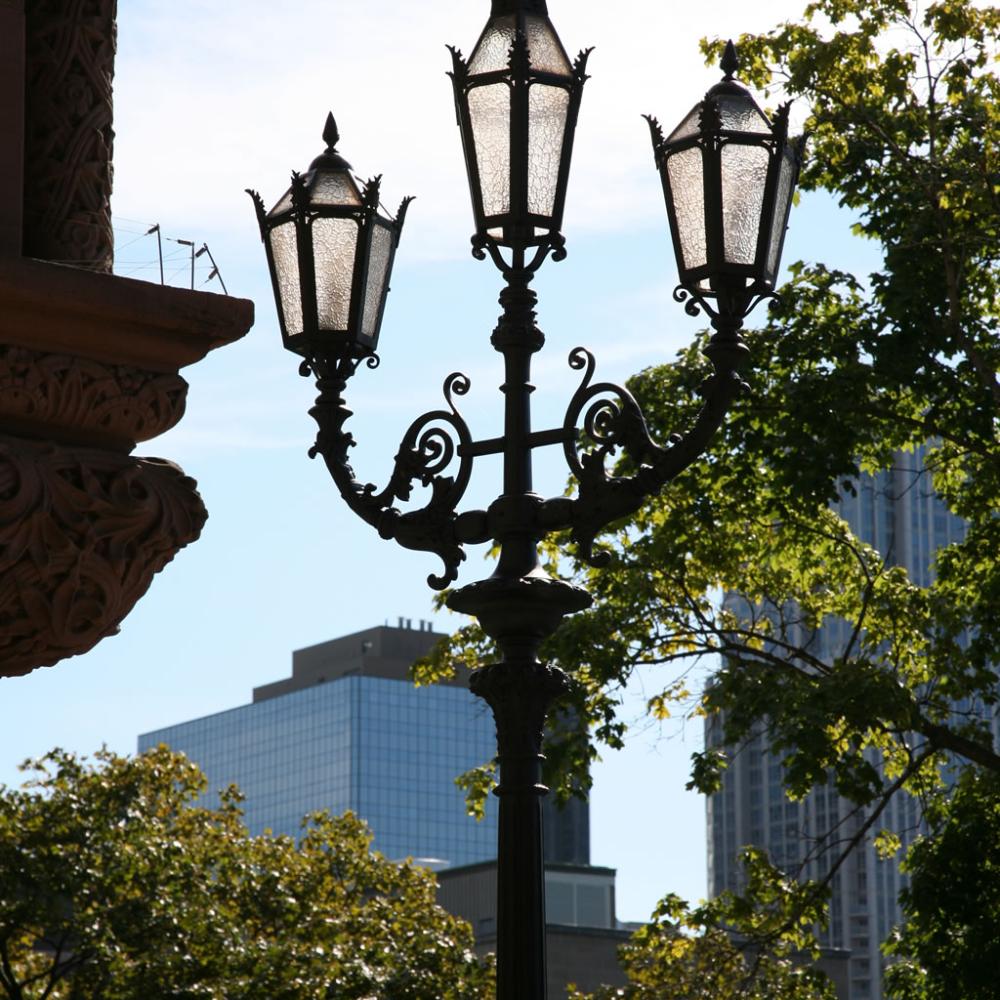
427,449
728,311
611,418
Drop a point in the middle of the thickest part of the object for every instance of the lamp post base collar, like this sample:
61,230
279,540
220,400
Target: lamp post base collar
520,613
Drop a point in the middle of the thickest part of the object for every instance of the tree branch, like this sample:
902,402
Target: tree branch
945,739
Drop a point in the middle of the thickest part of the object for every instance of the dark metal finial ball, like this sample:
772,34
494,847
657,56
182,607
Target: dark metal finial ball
730,62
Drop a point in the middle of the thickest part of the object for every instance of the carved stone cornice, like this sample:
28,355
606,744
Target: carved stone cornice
76,400
119,321
82,533
68,131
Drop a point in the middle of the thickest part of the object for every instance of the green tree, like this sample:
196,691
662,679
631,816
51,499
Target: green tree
903,109
949,944
708,952
114,885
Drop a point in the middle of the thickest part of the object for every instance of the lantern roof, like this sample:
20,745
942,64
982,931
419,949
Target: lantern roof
728,105
529,22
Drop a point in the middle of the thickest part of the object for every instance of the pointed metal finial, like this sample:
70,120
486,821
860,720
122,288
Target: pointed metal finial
330,159
730,62
330,134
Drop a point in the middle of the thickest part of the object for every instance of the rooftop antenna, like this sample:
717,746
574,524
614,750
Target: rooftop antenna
155,228
215,268
188,243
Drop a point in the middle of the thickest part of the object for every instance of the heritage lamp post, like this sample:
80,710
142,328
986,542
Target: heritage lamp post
728,176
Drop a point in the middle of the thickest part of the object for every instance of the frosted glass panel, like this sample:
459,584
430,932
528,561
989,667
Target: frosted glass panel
684,171
690,126
545,51
544,48
781,206
740,114
286,264
489,109
335,243
492,51
744,174
378,272
338,188
547,111
284,205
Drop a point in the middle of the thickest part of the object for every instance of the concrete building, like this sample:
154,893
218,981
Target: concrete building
898,513
348,730
582,934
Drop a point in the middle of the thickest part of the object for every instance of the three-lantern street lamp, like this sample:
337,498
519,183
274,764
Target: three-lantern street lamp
728,174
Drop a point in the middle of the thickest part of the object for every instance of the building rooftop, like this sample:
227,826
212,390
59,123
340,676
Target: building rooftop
384,651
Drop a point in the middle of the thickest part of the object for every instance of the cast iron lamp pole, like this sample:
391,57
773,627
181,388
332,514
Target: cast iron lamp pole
728,175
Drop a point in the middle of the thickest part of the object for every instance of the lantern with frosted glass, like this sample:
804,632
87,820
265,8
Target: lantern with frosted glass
517,99
728,177
330,252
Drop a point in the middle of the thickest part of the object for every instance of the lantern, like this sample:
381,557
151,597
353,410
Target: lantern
330,252
517,99
728,177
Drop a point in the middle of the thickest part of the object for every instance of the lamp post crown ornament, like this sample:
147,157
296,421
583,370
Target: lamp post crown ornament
330,159
730,61
517,99
728,85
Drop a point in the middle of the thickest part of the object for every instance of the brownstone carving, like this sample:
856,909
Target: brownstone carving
73,399
82,533
68,132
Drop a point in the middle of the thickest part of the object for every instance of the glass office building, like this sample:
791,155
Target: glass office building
349,731
897,512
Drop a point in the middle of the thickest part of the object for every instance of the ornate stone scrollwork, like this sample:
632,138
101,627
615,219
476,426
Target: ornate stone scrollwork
69,134
83,400
82,533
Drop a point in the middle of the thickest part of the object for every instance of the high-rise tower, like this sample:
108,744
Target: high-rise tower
897,512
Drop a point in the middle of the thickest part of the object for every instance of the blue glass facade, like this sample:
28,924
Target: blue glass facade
378,746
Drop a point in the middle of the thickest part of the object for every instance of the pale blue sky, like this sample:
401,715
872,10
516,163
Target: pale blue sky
211,99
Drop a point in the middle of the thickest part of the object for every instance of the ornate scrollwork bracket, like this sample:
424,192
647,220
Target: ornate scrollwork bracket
554,243
723,315
428,448
612,421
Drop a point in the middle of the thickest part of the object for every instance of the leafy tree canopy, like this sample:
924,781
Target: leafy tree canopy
949,944
709,952
115,885
849,372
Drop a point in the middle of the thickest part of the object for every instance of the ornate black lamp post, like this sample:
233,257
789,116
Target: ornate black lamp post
728,176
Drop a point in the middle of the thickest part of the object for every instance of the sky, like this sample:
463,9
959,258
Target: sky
213,98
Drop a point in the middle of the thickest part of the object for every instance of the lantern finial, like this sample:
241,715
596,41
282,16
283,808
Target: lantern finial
330,159
730,61
330,134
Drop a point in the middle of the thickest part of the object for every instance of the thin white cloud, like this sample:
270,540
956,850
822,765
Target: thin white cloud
214,98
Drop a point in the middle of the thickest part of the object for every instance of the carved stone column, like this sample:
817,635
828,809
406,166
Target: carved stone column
11,125
89,363
68,133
